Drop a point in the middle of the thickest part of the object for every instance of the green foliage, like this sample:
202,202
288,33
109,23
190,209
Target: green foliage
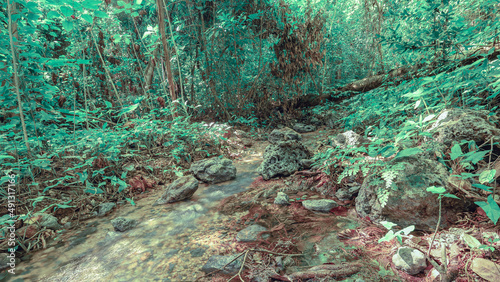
398,234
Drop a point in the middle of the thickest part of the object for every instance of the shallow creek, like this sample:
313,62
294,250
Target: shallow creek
170,243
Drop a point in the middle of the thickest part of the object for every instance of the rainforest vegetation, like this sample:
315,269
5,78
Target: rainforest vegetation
104,100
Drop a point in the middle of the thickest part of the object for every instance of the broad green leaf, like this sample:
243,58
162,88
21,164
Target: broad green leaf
128,109
482,187
52,15
408,152
490,208
436,190
87,18
2,157
407,230
66,11
487,176
67,25
101,14
448,195
387,224
456,152
477,156
94,191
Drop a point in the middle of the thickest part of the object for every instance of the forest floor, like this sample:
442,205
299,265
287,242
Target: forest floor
172,242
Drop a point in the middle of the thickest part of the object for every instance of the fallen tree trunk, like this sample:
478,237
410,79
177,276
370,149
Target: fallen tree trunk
395,75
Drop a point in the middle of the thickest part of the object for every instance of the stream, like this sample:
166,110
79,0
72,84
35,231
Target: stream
170,242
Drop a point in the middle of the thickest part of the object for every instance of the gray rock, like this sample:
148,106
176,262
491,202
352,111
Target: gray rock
181,189
112,236
282,199
250,233
303,128
346,194
349,139
314,120
214,170
49,221
458,124
218,262
322,205
306,163
282,159
408,202
198,252
123,224
284,134
104,208
409,260
4,260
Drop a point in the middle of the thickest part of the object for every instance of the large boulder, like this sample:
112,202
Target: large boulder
458,124
181,189
284,134
214,170
303,128
406,200
284,156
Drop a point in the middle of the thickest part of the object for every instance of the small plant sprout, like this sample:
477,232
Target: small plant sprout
399,234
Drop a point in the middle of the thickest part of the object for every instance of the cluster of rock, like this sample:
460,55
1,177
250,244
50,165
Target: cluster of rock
285,155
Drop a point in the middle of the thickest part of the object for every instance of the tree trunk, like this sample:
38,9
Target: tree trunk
166,54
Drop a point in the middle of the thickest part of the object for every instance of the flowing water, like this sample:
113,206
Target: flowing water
170,242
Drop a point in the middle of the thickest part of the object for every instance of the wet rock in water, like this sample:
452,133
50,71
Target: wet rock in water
304,128
123,224
409,260
218,262
49,221
104,208
214,170
349,139
250,233
410,204
346,194
322,205
282,199
283,157
111,236
284,134
181,189
198,252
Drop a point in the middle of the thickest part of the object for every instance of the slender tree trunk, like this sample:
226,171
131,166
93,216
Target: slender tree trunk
16,78
166,54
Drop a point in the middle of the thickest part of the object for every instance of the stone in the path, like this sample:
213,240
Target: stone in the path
349,139
181,189
49,221
123,224
218,262
284,134
304,128
214,170
250,233
345,194
322,205
104,208
282,199
283,157
409,260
